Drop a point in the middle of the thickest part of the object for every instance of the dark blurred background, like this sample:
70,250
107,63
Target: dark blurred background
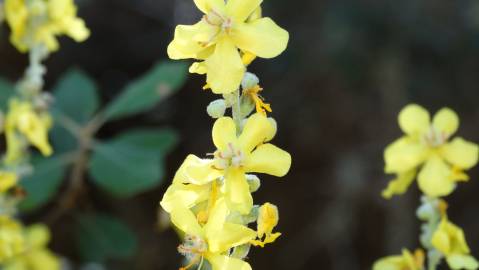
350,66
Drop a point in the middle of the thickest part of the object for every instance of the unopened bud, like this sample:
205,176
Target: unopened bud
253,182
216,108
249,80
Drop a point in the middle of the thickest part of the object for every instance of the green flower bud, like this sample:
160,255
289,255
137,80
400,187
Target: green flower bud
216,108
249,80
253,182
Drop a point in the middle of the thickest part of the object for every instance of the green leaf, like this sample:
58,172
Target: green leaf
158,141
44,183
142,94
76,96
133,162
101,237
7,90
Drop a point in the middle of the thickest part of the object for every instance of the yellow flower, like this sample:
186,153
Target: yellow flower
36,255
237,155
212,240
11,238
38,22
405,261
186,188
7,180
449,239
225,28
267,219
425,149
22,119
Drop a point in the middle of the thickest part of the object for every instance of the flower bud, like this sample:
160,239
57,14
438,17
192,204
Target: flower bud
216,108
253,182
249,80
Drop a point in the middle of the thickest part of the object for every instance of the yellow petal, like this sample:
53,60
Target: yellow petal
224,132
256,131
268,218
414,120
404,155
198,68
261,37
185,220
240,10
191,40
446,121
461,153
237,192
399,185
269,159
217,218
230,235
38,235
189,195
435,178
225,68
207,5
460,261
221,262
77,30
195,170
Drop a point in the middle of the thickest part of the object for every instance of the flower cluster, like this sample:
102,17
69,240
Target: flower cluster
439,162
34,26
210,199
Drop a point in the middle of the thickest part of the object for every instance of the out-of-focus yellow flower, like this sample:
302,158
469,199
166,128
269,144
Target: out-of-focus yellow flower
38,22
268,218
237,155
405,261
212,240
449,239
36,255
426,149
7,180
11,238
225,28
22,119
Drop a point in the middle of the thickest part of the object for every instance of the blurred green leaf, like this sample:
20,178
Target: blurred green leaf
133,162
7,89
76,96
142,94
102,237
76,100
42,185
158,141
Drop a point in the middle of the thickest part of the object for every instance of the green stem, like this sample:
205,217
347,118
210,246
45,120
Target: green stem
236,110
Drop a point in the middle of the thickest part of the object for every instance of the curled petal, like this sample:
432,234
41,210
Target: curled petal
446,121
269,159
230,235
461,153
257,130
435,178
225,67
185,220
195,170
224,132
399,185
262,37
414,120
191,40
189,195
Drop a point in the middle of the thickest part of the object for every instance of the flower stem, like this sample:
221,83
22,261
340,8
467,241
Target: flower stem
236,110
